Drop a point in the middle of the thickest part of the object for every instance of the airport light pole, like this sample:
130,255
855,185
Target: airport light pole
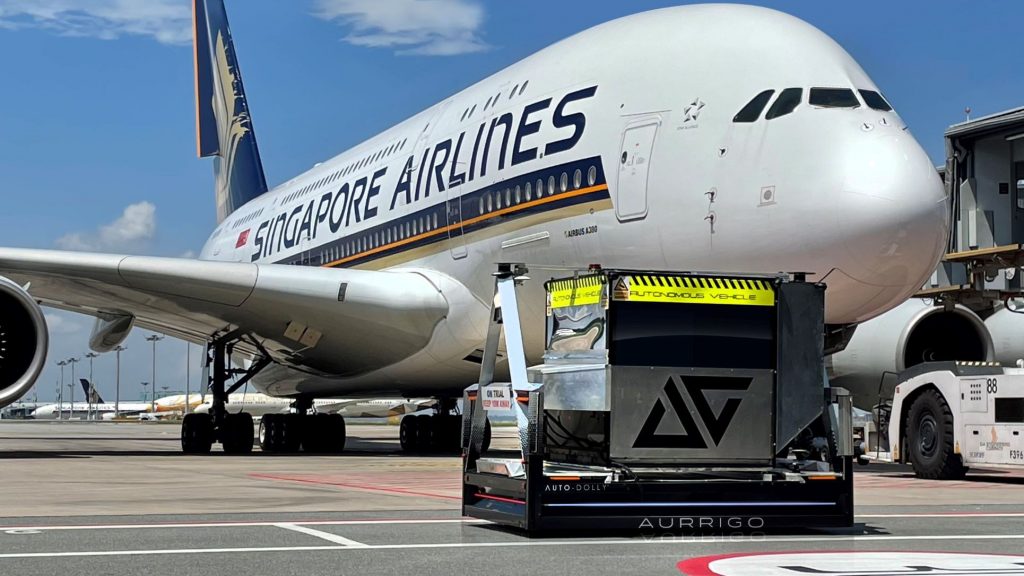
144,385
154,338
60,389
92,384
117,379
72,361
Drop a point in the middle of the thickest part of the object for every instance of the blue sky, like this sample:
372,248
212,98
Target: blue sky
97,143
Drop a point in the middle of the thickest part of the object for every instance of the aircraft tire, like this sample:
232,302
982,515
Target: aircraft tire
323,433
929,436
197,434
237,434
408,434
292,431
424,432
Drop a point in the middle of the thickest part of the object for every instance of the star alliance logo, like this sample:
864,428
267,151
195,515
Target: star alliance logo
692,110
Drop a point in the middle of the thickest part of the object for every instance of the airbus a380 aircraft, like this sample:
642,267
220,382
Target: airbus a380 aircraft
707,137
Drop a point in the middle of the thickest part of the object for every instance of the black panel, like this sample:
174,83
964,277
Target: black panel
692,335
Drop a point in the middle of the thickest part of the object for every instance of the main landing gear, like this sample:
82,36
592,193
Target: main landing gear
234,431
314,433
438,432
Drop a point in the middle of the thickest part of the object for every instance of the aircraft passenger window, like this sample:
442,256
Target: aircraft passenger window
529,195
577,179
490,202
481,205
875,101
752,111
464,112
833,98
471,110
551,185
787,101
508,196
497,199
513,92
564,182
523,89
540,188
435,220
519,194
488,104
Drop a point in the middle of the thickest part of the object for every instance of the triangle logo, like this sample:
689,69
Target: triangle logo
716,424
621,289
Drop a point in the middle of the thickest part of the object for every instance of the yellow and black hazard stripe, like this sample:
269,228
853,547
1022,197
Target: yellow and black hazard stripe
693,290
576,291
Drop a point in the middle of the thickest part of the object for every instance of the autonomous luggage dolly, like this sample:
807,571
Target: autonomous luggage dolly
666,401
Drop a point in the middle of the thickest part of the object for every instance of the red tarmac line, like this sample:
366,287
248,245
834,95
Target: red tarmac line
401,491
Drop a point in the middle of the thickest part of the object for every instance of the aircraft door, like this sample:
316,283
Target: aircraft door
456,239
634,168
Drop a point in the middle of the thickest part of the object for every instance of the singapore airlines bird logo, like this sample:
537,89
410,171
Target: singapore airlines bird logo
233,122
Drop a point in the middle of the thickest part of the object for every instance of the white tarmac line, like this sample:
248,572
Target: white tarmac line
322,535
17,529
946,515
517,544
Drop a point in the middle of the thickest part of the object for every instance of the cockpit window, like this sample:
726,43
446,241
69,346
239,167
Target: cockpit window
833,98
875,101
787,101
752,111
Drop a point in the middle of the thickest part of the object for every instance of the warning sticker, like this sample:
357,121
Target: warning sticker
498,398
693,290
576,291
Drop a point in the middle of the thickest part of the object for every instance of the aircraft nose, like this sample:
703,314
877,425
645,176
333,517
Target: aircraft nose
893,214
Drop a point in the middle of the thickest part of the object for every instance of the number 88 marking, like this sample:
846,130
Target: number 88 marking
991,386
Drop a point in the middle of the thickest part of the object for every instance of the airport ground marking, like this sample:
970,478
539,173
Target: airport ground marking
354,486
336,538
240,524
678,541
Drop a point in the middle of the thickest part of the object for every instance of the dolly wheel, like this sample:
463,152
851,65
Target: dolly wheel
929,436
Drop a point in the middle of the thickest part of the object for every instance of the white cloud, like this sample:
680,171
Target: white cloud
429,27
167,21
129,233
58,323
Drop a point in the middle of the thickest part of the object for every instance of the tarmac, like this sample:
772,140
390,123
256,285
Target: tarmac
119,498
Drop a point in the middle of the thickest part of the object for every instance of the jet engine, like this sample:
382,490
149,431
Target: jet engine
23,341
1007,329
914,332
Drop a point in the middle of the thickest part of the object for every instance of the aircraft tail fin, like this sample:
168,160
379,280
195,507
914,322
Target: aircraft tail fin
92,395
223,124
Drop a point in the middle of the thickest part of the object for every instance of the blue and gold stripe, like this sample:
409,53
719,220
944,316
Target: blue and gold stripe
543,192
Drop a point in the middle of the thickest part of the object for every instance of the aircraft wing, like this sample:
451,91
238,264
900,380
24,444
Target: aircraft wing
295,313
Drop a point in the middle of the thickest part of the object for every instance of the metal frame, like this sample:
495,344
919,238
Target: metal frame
524,491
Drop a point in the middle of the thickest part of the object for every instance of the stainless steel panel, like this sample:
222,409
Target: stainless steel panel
574,386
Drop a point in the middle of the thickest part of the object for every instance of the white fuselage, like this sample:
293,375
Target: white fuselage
631,123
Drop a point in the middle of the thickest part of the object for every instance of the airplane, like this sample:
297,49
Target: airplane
704,137
96,407
259,404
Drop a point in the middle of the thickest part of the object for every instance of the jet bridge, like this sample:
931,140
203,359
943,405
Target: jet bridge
665,401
